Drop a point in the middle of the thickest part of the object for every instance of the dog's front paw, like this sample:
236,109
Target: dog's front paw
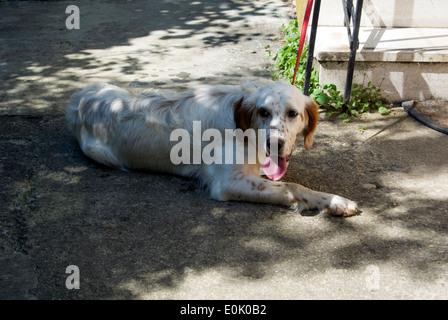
340,206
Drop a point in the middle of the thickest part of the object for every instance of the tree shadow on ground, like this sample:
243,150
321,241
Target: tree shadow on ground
44,62
135,234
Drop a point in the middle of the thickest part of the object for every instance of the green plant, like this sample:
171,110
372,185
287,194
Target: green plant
362,129
363,99
285,59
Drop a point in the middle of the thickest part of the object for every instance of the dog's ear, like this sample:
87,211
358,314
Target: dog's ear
311,118
242,115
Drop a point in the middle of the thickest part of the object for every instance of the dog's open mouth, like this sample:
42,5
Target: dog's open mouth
275,167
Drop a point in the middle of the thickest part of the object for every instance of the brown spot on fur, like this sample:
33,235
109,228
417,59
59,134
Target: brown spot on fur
253,185
301,116
305,200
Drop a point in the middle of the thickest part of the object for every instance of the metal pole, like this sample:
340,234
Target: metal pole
354,44
312,41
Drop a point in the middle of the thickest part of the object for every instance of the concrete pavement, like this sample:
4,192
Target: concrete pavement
151,236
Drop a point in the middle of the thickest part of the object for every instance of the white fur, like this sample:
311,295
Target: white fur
120,129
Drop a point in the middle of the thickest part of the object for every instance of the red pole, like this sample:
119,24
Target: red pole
306,19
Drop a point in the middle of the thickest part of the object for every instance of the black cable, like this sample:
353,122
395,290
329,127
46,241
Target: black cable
409,106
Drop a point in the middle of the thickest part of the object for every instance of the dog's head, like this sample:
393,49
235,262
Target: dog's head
284,112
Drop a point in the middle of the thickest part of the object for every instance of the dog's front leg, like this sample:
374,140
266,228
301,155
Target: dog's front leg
331,203
241,187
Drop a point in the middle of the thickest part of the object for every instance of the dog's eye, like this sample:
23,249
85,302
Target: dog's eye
292,113
263,113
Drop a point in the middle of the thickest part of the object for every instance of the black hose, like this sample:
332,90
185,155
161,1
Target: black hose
409,106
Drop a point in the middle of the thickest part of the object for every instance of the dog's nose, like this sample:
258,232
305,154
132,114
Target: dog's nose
278,141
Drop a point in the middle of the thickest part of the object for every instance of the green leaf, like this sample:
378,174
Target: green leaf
362,128
355,93
383,111
322,99
329,86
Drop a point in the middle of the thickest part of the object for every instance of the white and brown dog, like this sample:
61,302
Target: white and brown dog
120,129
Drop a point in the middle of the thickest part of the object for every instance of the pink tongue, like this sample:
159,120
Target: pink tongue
274,171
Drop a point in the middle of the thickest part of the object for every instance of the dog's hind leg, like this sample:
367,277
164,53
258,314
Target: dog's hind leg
99,152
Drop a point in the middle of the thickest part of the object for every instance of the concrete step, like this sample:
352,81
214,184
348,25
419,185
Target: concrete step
406,63
390,13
